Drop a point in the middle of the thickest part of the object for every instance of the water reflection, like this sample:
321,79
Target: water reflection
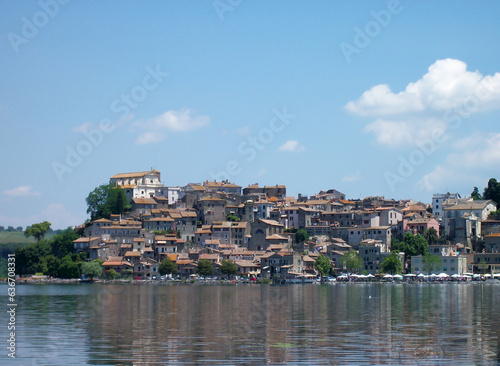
391,324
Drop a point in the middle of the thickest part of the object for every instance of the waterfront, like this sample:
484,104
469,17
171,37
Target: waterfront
362,324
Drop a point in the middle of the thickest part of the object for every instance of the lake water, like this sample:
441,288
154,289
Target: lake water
357,324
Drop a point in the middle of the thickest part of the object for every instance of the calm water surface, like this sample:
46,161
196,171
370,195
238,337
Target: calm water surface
361,324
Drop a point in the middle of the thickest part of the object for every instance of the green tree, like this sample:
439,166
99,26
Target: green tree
205,267
323,265
414,245
62,244
69,268
167,266
392,264
431,263
228,267
483,266
112,274
431,235
105,200
476,195
28,257
492,191
38,231
48,265
92,269
301,236
352,261
232,218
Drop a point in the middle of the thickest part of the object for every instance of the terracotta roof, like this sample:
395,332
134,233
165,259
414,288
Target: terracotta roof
134,175
276,237
116,263
144,201
271,222
184,261
208,198
102,220
220,185
132,254
209,256
86,240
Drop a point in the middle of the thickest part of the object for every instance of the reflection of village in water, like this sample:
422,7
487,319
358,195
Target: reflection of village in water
293,324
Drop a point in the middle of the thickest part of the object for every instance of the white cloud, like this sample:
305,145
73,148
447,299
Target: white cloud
21,191
179,121
475,158
291,146
446,85
150,138
406,133
353,177
448,90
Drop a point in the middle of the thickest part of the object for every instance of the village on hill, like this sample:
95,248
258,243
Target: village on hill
267,234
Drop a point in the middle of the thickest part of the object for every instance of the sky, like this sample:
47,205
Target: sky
373,98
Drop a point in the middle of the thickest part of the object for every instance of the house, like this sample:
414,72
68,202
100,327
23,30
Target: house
119,265
186,267
492,243
159,223
138,185
260,231
437,203
278,191
143,206
211,209
247,268
450,264
419,225
374,253
280,264
83,244
132,256
146,268
462,220
389,216
224,186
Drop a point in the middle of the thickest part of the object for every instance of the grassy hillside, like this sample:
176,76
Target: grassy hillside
17,237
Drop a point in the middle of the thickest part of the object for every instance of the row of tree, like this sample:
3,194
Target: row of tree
11,228
55,257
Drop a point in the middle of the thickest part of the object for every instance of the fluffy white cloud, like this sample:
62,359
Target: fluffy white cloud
291,146
150,138
446,85
21,191
179,121
433,103
476,158
405,133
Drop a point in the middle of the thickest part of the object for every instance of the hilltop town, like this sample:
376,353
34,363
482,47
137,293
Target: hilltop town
256,228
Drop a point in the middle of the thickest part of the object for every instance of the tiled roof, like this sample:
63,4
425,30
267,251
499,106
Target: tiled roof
134,175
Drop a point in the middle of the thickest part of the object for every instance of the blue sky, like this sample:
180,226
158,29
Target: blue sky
388,98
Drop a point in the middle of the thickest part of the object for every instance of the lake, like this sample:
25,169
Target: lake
339,324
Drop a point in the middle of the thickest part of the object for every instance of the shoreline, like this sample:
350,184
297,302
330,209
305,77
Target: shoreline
58,281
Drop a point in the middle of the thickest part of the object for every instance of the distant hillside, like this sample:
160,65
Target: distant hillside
17,237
